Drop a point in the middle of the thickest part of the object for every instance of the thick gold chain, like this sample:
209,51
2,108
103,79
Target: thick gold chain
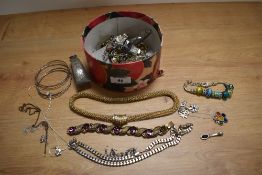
124,119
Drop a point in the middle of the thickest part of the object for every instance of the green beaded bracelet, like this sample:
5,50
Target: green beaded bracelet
203,89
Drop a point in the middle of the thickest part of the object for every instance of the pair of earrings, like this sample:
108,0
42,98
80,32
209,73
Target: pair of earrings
186,109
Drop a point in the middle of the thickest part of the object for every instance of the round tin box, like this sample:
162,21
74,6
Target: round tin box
123,77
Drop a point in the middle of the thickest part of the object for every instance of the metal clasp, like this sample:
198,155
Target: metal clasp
119,120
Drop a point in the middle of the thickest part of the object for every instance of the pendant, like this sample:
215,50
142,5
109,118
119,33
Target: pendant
220,118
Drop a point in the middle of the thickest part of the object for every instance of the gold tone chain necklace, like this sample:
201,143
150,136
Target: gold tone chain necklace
118,119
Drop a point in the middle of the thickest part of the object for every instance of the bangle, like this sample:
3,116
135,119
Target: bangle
57,89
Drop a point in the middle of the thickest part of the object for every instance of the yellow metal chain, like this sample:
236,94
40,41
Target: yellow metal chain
124,119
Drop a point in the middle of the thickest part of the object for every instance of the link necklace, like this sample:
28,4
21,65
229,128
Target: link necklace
124,159
57,89
120,130
120,120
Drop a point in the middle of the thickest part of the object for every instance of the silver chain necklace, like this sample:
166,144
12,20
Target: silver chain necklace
130,156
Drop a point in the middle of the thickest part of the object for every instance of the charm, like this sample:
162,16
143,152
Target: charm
220,118
193,108
46,126
57,151
43,139
207,136
129,152
184,111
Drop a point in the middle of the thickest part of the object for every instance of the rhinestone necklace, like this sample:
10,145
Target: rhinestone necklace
119,130
128,158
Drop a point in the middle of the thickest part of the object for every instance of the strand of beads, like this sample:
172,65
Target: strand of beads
203,89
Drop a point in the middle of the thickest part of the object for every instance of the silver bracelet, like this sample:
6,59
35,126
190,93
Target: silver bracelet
57,89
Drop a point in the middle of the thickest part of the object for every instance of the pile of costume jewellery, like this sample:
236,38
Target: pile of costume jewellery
121,49
118,50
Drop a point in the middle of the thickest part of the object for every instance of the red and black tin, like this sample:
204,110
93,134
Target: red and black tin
124,77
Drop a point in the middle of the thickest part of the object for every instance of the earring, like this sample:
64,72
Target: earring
184,111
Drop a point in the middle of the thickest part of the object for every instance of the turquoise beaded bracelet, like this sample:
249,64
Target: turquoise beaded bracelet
203,89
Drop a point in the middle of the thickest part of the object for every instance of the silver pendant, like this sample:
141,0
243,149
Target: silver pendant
193,108
43,139
55,151
207,136
183,112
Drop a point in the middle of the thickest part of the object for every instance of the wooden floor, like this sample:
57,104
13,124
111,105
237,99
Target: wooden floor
202,42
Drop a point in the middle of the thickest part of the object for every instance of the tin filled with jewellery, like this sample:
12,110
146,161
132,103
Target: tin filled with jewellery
123,50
